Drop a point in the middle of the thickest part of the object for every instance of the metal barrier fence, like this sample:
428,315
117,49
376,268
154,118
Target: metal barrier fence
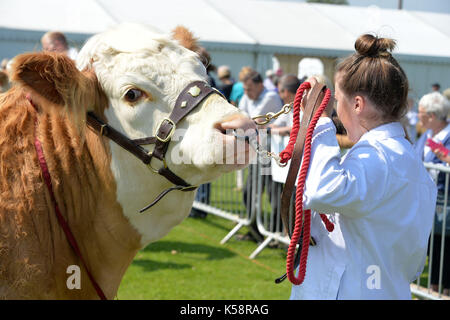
434,282
254,202
226,201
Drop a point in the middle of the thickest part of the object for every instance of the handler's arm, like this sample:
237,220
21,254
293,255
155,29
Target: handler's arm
351,187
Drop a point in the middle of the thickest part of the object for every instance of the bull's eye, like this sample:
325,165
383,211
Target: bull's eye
133,95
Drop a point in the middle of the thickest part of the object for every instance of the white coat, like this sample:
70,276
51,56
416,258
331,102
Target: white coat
382,201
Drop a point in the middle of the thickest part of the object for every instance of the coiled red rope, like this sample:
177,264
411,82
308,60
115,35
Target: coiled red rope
301,214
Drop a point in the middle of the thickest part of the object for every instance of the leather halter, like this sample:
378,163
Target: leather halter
191,96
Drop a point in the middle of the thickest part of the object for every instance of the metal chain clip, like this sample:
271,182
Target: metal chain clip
253,141
272,115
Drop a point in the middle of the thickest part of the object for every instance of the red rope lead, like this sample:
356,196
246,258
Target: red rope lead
285,155
328,224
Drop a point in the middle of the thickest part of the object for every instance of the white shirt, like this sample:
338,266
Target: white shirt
268,101
72,53
382,201
284,120
410,125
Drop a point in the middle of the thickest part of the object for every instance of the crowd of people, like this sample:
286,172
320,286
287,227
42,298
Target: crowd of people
373,116
52,41
430,121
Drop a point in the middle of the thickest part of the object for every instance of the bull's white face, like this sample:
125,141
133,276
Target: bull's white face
142,74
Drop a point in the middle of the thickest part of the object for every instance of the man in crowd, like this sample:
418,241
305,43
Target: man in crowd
287,88
269,82
435,87
257,100
55,41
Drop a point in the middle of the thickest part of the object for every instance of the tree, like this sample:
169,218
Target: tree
329,1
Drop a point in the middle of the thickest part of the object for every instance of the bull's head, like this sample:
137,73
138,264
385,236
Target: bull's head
142,73
132,76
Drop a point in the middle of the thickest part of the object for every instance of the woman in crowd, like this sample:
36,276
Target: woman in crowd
433,112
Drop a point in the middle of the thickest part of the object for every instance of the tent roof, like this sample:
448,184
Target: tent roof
268,26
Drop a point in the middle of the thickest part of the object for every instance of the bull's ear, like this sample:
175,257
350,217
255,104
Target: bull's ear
185,38
52,75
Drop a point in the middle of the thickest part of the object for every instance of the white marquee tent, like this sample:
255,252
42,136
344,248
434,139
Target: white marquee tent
244,32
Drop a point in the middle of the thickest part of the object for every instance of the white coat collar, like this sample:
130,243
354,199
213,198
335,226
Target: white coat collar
385,131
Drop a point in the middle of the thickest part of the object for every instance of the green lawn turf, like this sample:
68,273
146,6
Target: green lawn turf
190,263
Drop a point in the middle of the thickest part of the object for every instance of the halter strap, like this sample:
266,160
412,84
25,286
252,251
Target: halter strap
191,96
61,220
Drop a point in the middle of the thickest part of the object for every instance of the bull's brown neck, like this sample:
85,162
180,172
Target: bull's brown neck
85,189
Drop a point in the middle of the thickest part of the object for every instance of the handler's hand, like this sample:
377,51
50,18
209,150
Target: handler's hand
313,81
329,109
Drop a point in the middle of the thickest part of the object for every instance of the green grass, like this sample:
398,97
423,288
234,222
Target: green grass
190,263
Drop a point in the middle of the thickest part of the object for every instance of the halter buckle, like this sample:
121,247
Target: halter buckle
172,131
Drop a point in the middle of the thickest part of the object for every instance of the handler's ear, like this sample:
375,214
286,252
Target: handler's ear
359,104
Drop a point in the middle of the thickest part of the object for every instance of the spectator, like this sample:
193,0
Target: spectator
446,93
4,81
257,100
4,78
237,92
409,122
206,60
204,191
224,74
435,87
433,112
380,196
55,41
269,81
4,64
287,88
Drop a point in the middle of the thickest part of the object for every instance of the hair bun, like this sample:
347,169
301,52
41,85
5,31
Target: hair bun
371,46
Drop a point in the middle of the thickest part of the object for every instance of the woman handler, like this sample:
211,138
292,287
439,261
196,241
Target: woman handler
379,194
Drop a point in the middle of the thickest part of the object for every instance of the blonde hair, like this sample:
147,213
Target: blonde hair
244,72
